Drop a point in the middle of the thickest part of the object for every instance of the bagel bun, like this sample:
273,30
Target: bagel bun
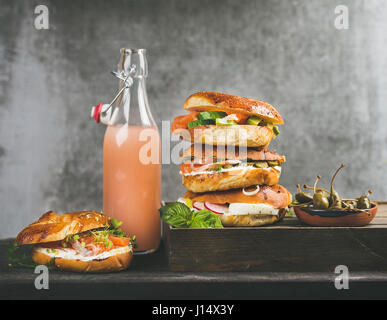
216,101
238,135
276,196
210,168
53,227
85,241
237,177
245,208
112,263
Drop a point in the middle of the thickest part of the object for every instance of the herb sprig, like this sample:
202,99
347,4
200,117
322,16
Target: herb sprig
179,215
18,260
102,236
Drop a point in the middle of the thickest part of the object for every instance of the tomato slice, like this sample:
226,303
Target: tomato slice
181,122
189,167
119,241
242,118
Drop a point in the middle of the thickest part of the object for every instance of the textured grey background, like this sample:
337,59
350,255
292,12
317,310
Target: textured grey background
329,85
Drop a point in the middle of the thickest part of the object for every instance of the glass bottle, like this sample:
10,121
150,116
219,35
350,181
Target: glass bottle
132,156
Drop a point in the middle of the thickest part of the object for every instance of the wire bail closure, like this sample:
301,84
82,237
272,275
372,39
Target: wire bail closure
101,110
127,83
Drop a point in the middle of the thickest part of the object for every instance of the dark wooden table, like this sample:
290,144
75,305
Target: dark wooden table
283,274
149,278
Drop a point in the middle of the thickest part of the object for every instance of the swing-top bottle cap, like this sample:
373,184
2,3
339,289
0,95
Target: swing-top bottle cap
96,112
132,67
101,113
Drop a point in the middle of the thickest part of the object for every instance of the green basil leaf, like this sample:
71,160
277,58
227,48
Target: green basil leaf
206,219
176,214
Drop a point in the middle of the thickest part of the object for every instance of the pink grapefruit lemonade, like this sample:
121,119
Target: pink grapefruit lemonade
132,182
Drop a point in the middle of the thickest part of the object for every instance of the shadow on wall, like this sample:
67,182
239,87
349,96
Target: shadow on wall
329,85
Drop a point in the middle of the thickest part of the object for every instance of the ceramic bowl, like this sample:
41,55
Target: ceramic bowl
336,218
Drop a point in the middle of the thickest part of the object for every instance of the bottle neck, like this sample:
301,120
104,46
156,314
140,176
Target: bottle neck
132,107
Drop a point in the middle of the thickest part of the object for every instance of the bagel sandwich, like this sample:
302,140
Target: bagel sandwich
223,119
85,241
211,168
253,206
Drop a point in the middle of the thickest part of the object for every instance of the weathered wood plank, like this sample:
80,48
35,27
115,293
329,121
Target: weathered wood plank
382,210
286,246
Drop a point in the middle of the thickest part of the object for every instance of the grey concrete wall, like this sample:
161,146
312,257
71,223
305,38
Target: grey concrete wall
329,85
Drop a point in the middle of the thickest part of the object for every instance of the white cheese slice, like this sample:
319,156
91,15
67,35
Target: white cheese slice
251,208
241,167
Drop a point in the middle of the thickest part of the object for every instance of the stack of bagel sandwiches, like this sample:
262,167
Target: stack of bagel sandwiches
228,168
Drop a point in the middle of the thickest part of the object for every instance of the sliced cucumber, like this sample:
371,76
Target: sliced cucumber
261,164
253,120
276,130
222,122
200,123
211,115
217,168
272,163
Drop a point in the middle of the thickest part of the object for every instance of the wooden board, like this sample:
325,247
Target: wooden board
284,247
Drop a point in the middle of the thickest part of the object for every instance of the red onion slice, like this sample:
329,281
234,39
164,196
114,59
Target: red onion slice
251,193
